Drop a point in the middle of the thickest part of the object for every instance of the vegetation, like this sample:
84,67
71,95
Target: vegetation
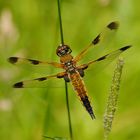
30,29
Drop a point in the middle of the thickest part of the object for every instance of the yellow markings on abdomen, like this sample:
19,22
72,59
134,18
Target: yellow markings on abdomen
78,84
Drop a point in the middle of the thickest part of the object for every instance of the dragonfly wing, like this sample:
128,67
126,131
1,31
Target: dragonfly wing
100,39
106,58
39,82
18,60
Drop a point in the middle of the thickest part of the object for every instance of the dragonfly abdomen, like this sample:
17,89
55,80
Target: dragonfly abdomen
87,105
80,88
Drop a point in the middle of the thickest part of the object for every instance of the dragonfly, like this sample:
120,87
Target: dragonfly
72,71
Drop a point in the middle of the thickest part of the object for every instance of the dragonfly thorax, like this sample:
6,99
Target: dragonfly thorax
70,67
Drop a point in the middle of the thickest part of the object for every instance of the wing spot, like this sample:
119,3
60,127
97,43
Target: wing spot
18,85
13,60
113,25
34,62
102,58
41,79
96,40
125,48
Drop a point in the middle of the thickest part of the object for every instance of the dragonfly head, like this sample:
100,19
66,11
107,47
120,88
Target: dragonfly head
63,50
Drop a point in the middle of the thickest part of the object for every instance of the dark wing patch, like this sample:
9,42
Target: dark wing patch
113,25
96,40
13,60
102,58
34,62
18,85
41,79
125,48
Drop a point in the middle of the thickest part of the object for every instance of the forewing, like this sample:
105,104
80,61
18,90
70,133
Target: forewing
101,41
19,60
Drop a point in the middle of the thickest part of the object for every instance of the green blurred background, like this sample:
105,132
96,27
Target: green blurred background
30,29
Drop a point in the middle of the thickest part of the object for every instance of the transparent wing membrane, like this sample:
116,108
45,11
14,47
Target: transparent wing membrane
18,60
106,59
100,40
41,81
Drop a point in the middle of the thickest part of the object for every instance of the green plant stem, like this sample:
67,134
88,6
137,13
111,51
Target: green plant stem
60,22
66,85
68,110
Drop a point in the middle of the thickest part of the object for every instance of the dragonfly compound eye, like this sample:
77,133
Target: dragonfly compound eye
63,50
